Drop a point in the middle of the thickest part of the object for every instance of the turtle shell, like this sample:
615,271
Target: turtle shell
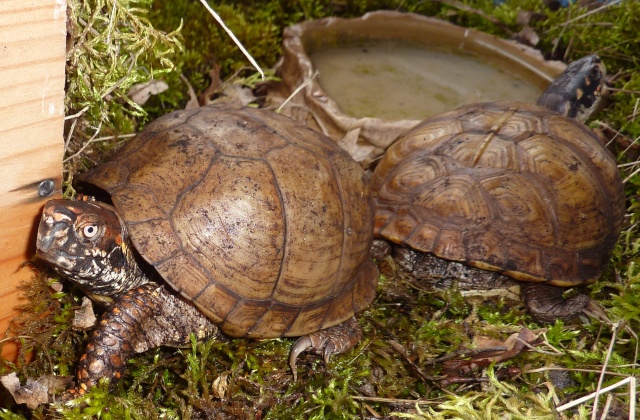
263,223
503,186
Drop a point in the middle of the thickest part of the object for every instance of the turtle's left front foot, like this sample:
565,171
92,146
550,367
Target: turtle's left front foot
546,303
334,340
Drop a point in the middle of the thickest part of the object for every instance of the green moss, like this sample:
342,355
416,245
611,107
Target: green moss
391,372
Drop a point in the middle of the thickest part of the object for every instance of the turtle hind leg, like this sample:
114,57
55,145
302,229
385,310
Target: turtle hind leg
333,340
546,303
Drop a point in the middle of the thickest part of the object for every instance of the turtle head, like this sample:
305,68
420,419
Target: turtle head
577,92
87,243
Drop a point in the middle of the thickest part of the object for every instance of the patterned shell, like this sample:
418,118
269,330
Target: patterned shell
503,186
263,223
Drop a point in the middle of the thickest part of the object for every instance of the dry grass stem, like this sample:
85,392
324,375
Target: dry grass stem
614,335
628,380
85,145
233,37
297,90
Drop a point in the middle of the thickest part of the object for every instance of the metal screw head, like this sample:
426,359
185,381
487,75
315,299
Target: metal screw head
46,188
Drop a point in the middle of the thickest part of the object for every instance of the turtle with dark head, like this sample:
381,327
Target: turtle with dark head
507,189
239,221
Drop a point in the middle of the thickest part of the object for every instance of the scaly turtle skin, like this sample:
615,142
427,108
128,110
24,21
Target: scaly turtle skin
522,190
259,226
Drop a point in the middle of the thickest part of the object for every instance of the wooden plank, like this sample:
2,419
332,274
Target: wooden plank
32,60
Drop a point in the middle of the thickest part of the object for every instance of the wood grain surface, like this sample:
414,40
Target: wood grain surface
32,60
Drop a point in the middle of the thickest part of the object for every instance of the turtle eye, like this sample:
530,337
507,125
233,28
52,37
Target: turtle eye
90,230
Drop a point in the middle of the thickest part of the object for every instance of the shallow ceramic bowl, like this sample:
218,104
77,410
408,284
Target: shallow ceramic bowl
366,137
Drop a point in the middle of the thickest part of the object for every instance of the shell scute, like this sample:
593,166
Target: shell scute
234,226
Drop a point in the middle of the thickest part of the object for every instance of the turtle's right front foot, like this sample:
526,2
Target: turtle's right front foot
333,340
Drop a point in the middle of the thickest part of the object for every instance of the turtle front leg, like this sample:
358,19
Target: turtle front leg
546,303
145,317
333,340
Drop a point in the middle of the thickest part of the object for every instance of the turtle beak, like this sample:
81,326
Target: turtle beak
53,233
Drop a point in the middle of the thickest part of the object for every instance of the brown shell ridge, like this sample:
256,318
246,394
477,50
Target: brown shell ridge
285,245
613,199
127,187
272,305
341,201
202,291
193,185
150,132
170,215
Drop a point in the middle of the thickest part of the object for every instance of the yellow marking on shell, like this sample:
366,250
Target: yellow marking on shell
119,240
579,93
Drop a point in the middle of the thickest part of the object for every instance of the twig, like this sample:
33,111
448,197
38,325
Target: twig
627,380
233,37
70,135
548,368
624,181
298,89
84,146
614,336
111,19
612,89
559,37
391,400
589,13
632,397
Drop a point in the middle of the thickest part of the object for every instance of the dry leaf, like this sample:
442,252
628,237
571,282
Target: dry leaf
193,102
57,286
214,87
221,385
239,94
141,92
34,392
488,351
84,318
528,36
360,152
526,17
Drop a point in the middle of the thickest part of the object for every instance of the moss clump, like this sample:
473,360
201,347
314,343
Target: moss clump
110,47
398,368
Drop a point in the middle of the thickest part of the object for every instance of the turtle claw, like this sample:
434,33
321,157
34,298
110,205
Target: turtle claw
333,340
301,344
329,349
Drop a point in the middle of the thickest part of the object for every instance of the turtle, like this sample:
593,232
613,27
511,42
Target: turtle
221,220
506,189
